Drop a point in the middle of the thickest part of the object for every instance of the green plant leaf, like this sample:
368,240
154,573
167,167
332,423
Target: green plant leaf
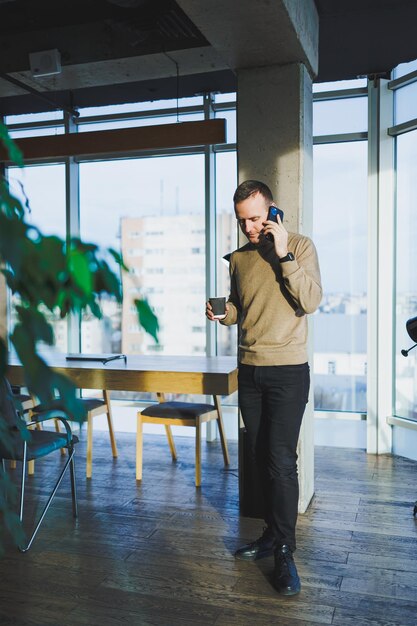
119,259
80,271
147,318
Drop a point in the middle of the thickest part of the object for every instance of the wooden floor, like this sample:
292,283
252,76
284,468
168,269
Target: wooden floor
161,553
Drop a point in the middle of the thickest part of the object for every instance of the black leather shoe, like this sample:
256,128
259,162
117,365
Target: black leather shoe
286,579
259,549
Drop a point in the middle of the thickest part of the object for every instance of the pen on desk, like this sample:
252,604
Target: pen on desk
113,358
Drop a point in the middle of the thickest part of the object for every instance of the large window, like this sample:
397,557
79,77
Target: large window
340,234
406,276
152,208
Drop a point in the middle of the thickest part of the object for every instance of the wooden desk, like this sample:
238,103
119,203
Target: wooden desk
167,374
216,376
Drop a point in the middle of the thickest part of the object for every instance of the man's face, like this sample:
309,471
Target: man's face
251,215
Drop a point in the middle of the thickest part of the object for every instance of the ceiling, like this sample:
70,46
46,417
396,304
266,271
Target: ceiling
115,51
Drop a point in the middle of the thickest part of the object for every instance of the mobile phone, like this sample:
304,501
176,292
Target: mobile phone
273,211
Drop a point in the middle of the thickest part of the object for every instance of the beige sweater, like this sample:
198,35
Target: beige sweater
269,300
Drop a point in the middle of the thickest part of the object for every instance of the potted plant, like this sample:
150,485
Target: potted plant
47,273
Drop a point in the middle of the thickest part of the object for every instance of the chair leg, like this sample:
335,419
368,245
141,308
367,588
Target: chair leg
48,504
58,430
222,432
171,442
139,447
22,486
73,488
31,464
89,469
198,452
106,395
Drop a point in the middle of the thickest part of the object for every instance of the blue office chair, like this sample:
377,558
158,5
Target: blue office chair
18,443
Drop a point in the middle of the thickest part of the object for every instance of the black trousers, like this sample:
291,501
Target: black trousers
272,400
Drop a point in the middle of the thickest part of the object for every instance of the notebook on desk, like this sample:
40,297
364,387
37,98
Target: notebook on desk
102,358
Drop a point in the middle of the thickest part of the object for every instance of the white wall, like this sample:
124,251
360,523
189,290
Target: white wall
404,442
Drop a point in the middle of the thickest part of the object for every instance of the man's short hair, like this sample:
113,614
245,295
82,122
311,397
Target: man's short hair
249,188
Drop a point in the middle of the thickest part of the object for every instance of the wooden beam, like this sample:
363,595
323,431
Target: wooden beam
124,141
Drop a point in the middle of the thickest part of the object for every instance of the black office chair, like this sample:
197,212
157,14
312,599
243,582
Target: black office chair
18,443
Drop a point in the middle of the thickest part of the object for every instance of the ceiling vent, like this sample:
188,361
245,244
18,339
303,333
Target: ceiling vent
45,63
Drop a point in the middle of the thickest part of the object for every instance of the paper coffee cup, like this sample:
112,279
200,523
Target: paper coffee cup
218,306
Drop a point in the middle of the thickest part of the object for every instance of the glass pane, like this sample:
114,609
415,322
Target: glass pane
339,85
230,117
37,132
43,187
148,121
226,182
149,211
34,117
406,278
225,97
348,115
340,234
406,103
131,107
405,68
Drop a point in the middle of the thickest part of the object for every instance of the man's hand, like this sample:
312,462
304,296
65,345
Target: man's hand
280,235
214,318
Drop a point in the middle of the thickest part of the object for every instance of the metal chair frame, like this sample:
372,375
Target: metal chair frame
19,449
68,463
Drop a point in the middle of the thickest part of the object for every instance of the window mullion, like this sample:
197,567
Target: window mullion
72,204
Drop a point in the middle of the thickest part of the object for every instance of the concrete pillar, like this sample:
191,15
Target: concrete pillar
274,142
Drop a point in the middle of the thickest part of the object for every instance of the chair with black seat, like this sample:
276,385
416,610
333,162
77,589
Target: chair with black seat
180,414
18,443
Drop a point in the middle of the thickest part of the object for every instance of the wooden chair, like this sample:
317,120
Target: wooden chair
180,414
97,406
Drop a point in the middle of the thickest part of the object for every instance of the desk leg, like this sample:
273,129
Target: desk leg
198,451
139,447
89,468
106,395
222,430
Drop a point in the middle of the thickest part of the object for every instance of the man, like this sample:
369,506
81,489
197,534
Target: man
275,282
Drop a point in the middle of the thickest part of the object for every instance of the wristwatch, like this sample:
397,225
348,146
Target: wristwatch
287,257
